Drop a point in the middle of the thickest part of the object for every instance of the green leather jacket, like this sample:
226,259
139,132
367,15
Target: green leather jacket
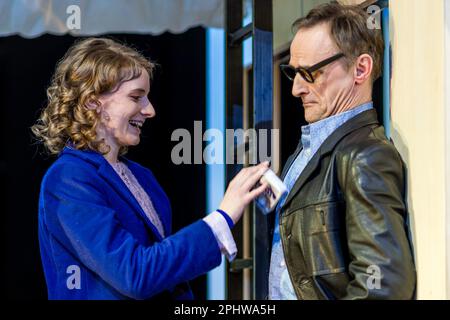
343,223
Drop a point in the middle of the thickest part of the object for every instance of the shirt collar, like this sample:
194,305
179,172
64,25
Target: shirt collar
314,134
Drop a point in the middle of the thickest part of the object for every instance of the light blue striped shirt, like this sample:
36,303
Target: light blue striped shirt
313,135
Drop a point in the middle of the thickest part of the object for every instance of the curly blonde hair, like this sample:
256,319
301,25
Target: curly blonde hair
90,68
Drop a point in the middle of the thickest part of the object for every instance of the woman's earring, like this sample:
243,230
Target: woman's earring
106,117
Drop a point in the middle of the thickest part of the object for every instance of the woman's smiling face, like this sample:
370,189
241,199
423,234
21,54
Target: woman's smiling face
124,111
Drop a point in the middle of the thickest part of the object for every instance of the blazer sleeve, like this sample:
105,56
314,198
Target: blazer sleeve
78,216
382,264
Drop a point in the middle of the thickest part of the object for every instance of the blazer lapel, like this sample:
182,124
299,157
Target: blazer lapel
363,119
105,170
309,169
110,175
158,203
157,195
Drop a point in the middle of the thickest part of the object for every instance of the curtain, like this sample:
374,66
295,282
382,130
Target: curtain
32,18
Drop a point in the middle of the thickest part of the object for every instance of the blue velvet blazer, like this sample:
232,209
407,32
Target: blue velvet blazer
97,243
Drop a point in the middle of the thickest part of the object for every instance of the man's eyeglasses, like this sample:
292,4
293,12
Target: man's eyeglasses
307,73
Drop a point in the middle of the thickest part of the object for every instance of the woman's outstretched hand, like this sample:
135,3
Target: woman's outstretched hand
240,191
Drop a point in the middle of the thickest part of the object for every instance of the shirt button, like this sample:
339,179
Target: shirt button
304,281
282,263
289,236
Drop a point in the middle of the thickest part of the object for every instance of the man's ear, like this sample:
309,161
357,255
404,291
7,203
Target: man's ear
363,68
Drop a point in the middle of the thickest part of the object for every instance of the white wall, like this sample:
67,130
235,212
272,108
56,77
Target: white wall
418,129
447,127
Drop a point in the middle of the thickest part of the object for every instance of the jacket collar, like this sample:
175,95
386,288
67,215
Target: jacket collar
363,119
106,171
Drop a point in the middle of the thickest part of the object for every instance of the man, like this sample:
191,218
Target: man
340,232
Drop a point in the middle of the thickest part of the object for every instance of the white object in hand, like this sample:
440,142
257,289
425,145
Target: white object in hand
269,199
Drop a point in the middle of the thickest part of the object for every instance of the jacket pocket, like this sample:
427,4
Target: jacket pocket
332,285
324,238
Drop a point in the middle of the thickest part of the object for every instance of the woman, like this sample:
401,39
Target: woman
104,221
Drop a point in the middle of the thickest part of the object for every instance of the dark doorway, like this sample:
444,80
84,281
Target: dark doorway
178,94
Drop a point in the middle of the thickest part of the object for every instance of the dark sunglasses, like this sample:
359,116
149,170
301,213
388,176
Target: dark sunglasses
307,73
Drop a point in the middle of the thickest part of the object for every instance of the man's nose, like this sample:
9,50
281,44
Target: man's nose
148,111
299,87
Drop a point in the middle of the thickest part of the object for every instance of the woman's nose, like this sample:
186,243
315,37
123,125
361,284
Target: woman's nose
148,111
